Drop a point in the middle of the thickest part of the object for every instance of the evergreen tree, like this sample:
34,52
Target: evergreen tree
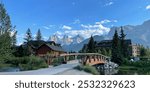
28,35
116,53
38,36
14,40
123,45
103,51
143,51
5,23
5,45
91,46
5,30
109,52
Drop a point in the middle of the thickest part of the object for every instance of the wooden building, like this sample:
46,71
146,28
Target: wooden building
49,49
41,48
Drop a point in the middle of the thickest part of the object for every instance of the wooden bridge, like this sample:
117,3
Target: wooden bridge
85,58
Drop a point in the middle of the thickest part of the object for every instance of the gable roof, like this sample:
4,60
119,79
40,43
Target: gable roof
56,48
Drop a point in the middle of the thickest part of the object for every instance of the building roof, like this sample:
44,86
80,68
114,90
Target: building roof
108,43
55,48
36,44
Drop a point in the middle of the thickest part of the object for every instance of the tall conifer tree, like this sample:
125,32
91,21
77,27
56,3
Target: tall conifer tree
116,51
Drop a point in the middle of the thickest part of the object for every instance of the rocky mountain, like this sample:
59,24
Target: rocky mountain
77,39
139,34
78,46
54,38
66,40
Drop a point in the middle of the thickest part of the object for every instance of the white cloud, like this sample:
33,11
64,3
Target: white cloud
115,20
77,21
66,27
86,30
46,27
148,7
106,21
108,4
49,27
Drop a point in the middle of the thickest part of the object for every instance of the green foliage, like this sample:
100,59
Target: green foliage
22,51
4,65
71,58
39,35
5,23
28,35
27,63
13,38
144,51
5,46
33,63
91,45
116,51
123,46
5,29
140,67
89,69
57,61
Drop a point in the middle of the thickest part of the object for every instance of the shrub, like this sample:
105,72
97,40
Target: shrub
89,69
4,65
57,61
32,63
27,63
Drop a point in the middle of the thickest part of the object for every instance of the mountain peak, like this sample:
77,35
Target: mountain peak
146,23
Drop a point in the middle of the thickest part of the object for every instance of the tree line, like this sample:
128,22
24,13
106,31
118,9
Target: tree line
29,37
118,51
8,48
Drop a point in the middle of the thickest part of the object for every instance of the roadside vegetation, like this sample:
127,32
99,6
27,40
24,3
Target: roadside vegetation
87,68
26,63
16,56
57,61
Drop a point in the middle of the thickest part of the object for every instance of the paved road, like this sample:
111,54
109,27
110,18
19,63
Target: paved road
48,71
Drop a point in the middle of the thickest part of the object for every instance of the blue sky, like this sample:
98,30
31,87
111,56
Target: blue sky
72,17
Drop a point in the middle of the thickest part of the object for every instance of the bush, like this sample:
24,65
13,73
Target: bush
27,63
89,69
32,63
4,65
57,61
71,58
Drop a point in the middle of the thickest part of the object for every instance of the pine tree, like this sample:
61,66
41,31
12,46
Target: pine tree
103,51
5,45
38,36
123,45
143,51
116,53
28,35
5,23
91,46
5,31
14,39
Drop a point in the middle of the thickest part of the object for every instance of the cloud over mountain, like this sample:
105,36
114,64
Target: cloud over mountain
86,30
